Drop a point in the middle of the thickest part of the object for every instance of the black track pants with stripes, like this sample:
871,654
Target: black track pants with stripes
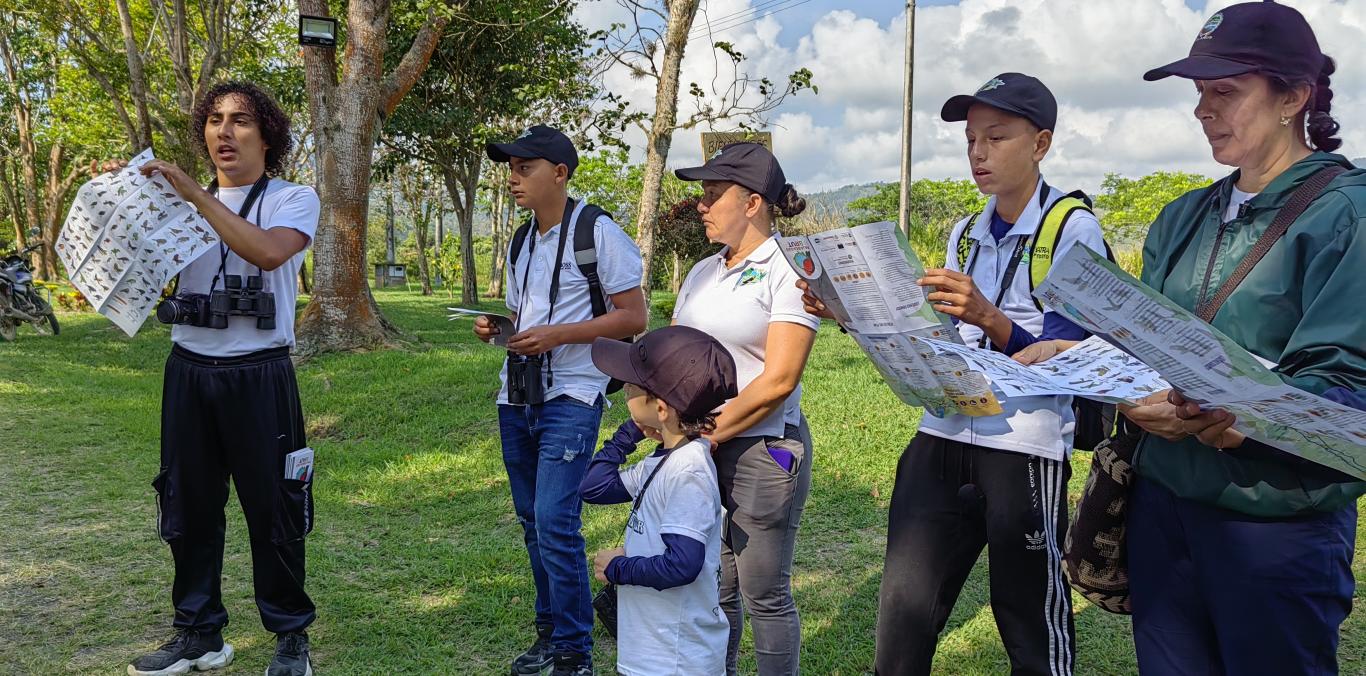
951,499
234,418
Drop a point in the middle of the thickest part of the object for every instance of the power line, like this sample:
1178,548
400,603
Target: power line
762,5
749,21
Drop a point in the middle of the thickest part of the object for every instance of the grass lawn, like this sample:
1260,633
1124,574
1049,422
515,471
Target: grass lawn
416,563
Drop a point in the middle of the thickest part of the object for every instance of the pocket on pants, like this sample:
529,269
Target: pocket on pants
760,489
169,518
293,511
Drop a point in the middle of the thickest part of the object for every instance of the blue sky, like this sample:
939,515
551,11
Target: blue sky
1091,53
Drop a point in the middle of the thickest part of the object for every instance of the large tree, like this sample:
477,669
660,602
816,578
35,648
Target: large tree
512,62
653,47
50,109
346,110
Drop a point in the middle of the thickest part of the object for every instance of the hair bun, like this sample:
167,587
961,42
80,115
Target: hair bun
789,202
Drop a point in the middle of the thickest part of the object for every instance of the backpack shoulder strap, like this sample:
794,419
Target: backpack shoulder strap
1049,235
518,239
963,247
586,255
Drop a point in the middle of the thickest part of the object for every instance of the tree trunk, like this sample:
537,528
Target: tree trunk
342,314
676,280
462,183
421,223
303,276
681,14
389,236
57,188
438,256
498,197
137,81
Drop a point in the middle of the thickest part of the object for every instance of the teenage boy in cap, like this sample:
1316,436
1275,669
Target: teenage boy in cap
550,410
668,572
999,481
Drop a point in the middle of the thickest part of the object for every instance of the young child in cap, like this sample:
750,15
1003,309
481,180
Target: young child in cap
668,573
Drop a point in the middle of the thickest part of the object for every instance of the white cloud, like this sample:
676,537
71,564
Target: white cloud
1091,53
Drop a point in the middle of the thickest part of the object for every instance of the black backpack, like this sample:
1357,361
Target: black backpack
585,256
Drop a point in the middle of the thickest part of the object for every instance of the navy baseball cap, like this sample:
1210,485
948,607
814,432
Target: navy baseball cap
540,141
1014,93
1265,37
747,163
688,369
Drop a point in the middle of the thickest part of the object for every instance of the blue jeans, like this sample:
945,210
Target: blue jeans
546,449
1218,592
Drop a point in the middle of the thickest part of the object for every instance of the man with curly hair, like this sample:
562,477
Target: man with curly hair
230,403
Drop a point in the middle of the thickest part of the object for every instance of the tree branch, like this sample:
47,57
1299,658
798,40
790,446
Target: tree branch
414,62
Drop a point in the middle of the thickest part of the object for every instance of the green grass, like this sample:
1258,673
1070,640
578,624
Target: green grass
416,563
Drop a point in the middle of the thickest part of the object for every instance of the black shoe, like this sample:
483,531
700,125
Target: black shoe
572,664
539,656
190,649
291,656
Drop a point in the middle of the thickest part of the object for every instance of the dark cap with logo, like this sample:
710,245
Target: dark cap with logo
1014,93
687,368
538,142
1263,37
746,163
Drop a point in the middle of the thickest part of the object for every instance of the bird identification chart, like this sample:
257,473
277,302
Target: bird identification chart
124,239
866,275
1202,363
1093,369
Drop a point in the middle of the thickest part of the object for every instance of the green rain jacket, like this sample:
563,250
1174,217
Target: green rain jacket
1303,307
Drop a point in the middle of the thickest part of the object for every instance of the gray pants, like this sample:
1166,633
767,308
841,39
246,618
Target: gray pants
764,505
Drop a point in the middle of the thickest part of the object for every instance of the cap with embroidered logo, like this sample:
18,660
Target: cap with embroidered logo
538,142
1264,37
1014,93
746,163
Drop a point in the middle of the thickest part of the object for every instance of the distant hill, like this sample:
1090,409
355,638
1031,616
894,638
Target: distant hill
837,201
1360,161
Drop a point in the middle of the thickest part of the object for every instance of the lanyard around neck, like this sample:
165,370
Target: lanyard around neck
1009,277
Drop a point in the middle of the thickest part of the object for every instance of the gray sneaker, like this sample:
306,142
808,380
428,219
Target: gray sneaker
189,650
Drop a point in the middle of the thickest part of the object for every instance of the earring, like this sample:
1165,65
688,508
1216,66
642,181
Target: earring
1285,121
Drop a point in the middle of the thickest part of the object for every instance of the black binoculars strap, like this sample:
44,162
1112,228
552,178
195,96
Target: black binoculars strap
256,190
554,276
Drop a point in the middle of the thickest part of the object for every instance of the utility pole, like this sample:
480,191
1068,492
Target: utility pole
904,213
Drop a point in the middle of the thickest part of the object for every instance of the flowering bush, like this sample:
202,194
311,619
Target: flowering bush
74,302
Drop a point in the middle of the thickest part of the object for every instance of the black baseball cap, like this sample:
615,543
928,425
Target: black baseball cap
540,141
1014,93
1265,37
747,163
688,369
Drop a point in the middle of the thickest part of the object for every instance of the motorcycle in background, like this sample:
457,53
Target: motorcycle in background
20,302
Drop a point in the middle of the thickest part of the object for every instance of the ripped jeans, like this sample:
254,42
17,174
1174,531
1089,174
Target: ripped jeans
546,449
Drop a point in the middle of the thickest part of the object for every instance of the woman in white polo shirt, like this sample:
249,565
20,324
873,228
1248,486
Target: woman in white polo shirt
746,297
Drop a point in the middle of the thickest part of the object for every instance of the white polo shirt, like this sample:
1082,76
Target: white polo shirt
618,270
736,306
1040,426
282,205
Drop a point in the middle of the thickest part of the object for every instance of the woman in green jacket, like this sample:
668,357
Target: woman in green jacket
1240,554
